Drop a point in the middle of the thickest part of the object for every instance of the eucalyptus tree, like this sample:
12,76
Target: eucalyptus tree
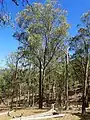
13,65
42,30
5,87
81,47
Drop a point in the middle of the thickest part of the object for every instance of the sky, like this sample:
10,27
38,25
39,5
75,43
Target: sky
8,44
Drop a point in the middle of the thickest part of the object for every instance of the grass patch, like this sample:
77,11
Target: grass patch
67,117
32,111
25,112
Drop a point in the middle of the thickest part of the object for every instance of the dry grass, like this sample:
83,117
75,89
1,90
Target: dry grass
66,117
27,112
72,117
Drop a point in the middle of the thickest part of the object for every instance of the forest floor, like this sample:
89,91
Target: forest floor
33,111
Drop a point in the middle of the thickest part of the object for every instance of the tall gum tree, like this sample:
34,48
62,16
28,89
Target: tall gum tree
42,29
81,46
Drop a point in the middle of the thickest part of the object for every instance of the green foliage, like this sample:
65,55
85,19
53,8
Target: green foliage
43,29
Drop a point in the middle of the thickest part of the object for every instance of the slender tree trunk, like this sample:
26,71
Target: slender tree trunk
15,81
66,82
54,92
85,87
40,86
87,92
43,80
33,99
59,100
12,97
19,94
29,96
11,103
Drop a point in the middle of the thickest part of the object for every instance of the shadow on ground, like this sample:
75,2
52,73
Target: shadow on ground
85,117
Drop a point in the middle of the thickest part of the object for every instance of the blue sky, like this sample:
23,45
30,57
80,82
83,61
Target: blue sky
8,44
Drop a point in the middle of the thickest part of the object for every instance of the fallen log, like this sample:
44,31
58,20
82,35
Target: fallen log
39,117
50,114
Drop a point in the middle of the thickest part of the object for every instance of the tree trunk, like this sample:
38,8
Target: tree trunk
33,99
87,93
19,94
11,106
43,80
40,86
85,87
59,101
66,82
54,92
29,96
